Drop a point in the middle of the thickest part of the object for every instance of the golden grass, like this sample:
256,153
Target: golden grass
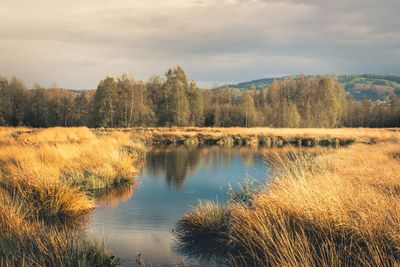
339,208
378,133
47,176
253,136
52,168
27,242
206,219
97,162
336,208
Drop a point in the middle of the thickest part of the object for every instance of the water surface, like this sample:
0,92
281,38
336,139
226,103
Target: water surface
141,219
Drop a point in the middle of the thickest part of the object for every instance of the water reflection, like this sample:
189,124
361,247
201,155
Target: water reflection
176,163
141,219
206,251
115,196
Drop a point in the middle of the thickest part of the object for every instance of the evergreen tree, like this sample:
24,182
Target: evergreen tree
39,106
5,102
126,101
196,107
156,97
177,104
81,109
18,101
105,103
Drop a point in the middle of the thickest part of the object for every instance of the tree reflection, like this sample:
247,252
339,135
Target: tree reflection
175,163
115,196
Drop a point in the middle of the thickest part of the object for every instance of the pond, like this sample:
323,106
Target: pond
141,218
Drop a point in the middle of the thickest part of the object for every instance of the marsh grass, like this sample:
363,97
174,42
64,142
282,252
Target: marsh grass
48,200
322,208
52,169
48,179
334,208
204,232
26,241
270,137
206,220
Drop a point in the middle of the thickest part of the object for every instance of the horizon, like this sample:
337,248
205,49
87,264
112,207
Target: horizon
201,84
76,44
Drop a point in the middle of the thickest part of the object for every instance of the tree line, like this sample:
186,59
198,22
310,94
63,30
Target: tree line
174,100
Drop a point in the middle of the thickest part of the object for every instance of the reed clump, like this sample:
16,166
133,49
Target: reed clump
336,208
207,221
204,232
31,242
48,178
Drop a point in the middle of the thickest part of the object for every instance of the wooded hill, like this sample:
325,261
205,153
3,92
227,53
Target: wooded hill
360,86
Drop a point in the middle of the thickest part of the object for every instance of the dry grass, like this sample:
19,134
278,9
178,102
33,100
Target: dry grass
27,242
335,208
359,133
340,208
47,176
205,220
60,154
203,232
252,136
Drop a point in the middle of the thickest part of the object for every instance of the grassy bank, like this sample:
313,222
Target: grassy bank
48,178
27,241
269,137
326,207
338,208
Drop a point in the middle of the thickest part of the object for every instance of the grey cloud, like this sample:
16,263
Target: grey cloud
228,40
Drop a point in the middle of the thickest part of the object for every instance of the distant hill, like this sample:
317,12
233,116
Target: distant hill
360,86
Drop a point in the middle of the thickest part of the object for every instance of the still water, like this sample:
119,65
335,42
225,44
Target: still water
141,219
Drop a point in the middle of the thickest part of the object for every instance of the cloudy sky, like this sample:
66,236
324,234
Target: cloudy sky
78,42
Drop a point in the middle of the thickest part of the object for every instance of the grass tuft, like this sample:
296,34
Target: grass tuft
331,208
207,220
47,179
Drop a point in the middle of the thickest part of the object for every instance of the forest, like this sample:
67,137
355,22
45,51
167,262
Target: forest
174,100
360,86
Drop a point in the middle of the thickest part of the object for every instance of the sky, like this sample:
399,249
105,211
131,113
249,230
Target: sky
76,43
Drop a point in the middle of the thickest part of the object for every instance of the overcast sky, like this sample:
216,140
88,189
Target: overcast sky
75,43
